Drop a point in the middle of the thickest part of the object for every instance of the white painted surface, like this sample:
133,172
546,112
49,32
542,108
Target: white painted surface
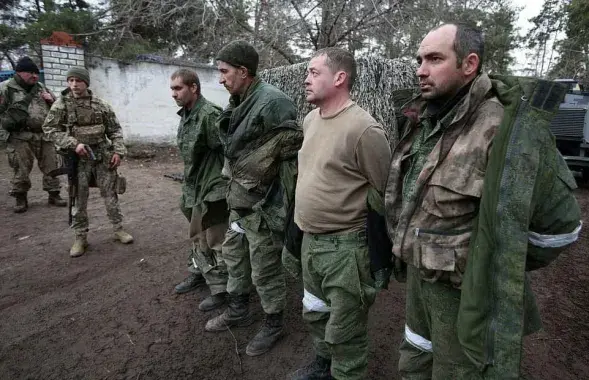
140,95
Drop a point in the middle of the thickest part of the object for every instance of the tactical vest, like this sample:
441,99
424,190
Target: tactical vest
85,121
37,109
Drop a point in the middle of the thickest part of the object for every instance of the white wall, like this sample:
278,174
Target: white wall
141,97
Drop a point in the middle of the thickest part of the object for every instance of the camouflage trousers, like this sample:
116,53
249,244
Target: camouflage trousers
21,157
106,181
205,256
430,349
339,291
253,255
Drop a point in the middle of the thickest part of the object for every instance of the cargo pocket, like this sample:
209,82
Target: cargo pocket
12,161
453,191
442,251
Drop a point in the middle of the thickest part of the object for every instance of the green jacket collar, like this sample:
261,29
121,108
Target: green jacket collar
195,109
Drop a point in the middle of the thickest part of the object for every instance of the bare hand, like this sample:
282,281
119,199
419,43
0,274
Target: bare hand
81,151
115,161
47,97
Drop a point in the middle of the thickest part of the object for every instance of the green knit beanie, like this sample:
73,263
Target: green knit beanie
240,53
79,72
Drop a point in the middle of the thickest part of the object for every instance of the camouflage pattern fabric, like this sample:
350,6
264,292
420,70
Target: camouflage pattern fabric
22,114
21,157
89,120
203,191
431,312
254,257
528,191
85,120
430,222
339,291
105,179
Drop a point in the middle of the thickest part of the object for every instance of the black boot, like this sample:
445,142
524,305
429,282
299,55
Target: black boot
193,281
237,314
318,369
213,301
55,199
22,204
271,331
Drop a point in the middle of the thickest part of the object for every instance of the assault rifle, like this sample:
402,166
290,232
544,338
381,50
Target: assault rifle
70,167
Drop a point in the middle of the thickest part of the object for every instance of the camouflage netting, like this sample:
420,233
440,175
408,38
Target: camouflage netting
377,79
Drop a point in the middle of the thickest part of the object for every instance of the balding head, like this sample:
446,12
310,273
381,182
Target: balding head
444,67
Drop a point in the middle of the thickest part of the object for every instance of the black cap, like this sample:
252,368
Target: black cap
26,65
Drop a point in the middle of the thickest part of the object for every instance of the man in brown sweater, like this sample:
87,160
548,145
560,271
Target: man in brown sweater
345,153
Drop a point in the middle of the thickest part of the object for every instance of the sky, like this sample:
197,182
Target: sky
530,9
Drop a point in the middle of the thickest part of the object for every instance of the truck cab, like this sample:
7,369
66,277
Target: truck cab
570,127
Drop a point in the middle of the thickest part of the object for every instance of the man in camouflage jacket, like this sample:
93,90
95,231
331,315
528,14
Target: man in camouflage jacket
203,189
442,200
24,104
78,120
261,140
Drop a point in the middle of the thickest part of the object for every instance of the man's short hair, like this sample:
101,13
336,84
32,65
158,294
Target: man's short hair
469,39
338,59
189,77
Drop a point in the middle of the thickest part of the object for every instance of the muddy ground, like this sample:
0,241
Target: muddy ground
112,314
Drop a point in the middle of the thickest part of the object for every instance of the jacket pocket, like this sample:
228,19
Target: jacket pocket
454,190
442,251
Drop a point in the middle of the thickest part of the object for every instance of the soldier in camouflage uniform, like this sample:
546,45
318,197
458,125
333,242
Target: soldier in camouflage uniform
203,190
24,104
437,187
261,139
79,118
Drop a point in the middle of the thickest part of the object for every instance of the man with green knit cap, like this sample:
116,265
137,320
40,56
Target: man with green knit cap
24,104
260,139
78,120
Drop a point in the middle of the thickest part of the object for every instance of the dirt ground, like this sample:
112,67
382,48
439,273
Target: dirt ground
112,314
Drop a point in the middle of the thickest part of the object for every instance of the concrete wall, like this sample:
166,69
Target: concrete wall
140,94
57,60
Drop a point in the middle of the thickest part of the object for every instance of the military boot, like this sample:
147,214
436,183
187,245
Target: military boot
56,200
123,237
237,314
22,204
79,247
213,301
271,331
193,281
318,369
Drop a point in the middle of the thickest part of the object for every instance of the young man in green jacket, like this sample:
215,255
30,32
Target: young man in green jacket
203,190
261,140
477,194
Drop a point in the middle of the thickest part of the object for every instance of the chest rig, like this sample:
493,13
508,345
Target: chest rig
85,120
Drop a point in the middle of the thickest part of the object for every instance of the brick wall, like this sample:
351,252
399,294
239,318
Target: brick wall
57,60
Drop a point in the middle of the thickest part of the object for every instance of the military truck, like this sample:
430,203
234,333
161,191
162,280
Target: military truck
570,126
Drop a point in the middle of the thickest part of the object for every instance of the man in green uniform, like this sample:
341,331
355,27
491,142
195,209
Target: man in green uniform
203,190
77,120
24,104
261,140
345,154
476,190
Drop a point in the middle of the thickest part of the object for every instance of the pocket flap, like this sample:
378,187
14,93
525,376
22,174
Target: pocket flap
462,179
436,257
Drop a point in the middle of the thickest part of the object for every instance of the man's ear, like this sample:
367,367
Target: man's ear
470,64
340,78
194,88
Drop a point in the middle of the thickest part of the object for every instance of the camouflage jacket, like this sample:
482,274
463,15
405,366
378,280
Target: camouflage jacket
202,153
261,139
443,203
22,112
85,120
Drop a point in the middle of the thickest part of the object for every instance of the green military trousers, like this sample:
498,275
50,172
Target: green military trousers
106,181
21,157
430,348
205,256
339,291
253,254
